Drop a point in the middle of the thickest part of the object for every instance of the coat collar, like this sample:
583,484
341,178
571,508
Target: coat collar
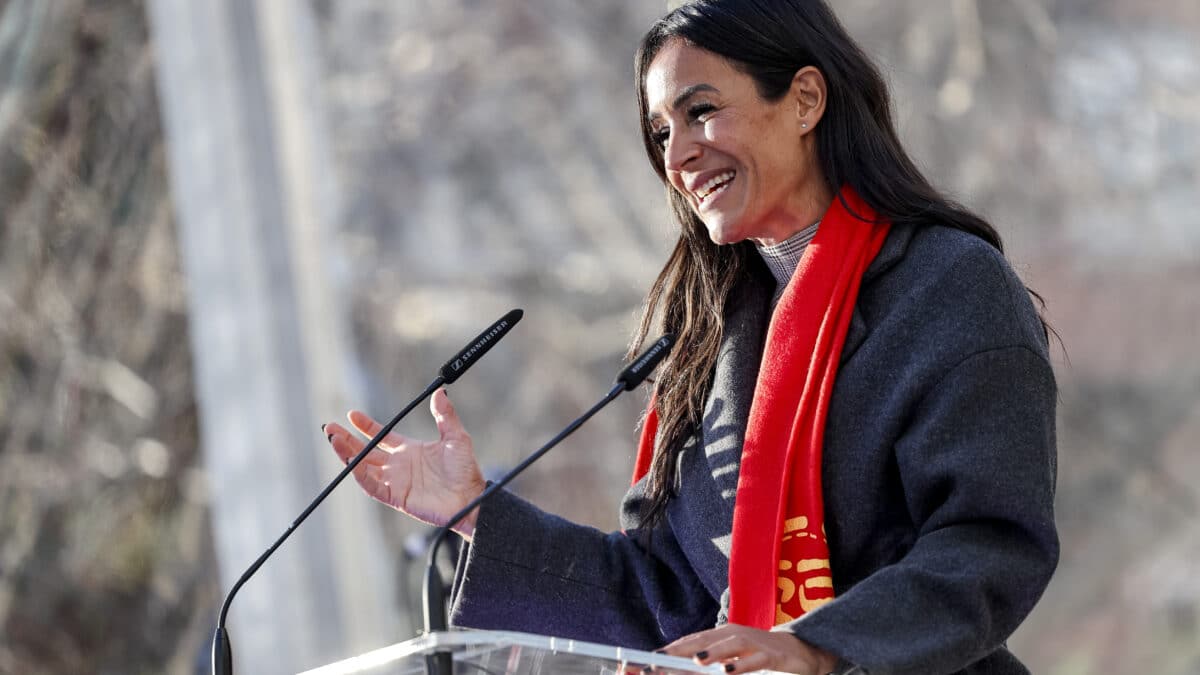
892,252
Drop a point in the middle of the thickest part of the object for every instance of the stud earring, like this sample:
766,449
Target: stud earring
804,125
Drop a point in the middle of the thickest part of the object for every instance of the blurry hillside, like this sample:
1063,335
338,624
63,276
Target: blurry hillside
488,158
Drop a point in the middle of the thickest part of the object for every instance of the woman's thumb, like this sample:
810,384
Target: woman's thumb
449,426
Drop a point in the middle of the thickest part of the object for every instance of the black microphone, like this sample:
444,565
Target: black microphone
434,596
222,655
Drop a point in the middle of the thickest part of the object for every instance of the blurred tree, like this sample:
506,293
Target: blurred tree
105,554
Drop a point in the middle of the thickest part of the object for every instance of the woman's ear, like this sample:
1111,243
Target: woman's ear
808,92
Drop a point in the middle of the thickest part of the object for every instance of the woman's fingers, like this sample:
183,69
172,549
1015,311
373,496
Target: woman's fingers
369,471
347,445
342,441
690,646
725,649
367,426
745,650
750,663
450,427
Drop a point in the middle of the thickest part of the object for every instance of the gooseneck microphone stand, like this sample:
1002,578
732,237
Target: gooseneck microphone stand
222,654
434,596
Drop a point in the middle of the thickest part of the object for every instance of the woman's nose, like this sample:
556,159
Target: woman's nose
679,151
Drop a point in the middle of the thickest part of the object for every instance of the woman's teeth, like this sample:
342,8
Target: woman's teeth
714,185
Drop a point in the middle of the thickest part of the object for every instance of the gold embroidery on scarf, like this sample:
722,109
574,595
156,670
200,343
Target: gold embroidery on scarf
805,583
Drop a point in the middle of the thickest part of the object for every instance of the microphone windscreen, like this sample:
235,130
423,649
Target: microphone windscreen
455,367
645,364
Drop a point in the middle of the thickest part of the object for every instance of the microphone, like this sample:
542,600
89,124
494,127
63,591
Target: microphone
222,654
434,596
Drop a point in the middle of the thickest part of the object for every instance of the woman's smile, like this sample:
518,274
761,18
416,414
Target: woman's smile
713,188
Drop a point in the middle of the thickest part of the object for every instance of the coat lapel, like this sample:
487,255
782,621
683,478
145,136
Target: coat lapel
736,371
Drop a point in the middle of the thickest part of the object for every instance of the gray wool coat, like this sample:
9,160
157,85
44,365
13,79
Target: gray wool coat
938,469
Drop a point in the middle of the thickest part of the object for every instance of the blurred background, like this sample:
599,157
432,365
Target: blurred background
225,223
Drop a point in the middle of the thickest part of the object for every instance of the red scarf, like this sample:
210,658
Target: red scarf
779,563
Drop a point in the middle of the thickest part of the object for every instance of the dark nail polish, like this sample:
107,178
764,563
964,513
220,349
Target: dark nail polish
329,437
729,667
323,428
660,651
702,654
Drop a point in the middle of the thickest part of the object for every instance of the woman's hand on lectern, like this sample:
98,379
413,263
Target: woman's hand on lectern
428,480
746,650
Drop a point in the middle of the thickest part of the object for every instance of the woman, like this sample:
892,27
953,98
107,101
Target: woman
849,458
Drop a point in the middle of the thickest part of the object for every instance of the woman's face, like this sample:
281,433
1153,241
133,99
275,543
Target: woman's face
745,165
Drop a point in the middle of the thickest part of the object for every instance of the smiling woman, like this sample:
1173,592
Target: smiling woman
848,462
747,166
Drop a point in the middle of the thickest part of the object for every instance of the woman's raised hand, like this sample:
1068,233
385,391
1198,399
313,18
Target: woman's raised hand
428,480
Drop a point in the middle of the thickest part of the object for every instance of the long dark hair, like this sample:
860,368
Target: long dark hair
857,145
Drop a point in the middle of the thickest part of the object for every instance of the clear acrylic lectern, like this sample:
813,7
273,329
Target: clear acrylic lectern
506,653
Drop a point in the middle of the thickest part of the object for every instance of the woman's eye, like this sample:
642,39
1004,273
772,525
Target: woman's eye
660,138
700,110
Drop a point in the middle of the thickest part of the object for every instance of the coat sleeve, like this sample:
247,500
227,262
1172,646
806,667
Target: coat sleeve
978,470
530,571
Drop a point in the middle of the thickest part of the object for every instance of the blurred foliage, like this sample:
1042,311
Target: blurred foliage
488,157
105,558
